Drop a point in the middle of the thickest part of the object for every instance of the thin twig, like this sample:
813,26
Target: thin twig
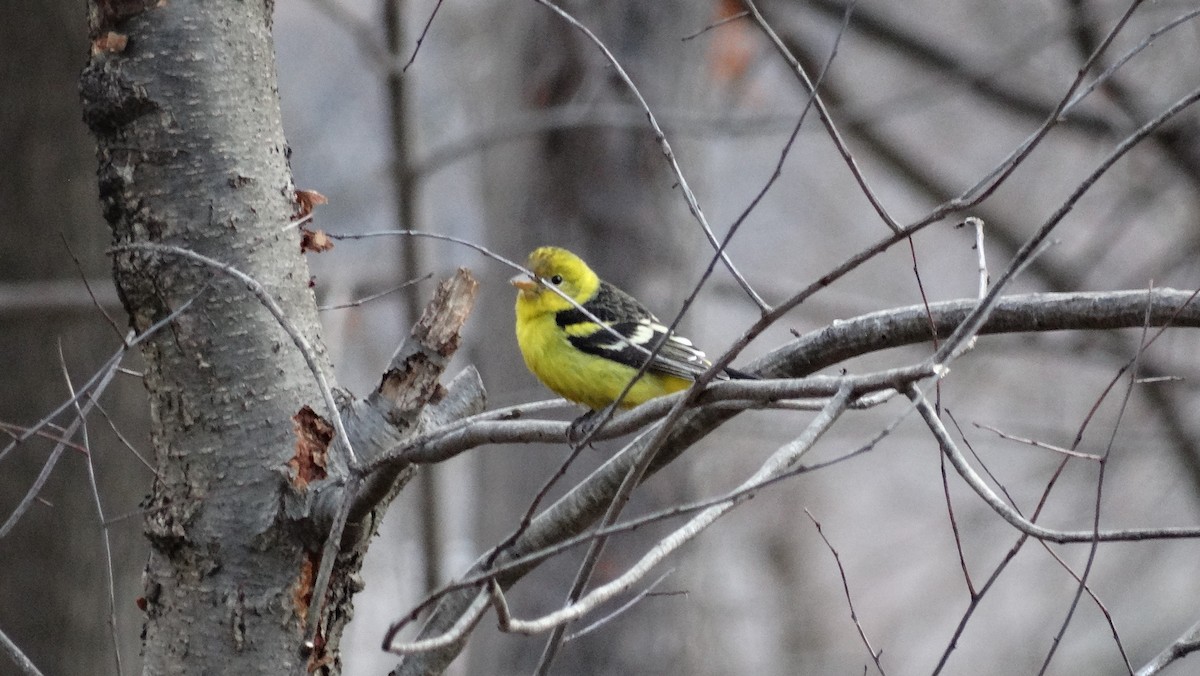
823,112
104,373
619,611
981,257
91,471
661,137
1181,647
101,380
989,183
329,554
14,653
87,285
1103,465
374,296
121,437
862,635
717,24
1108,617
1036,444
1015,518
1107,73
958,545
54,434
1034,243
421,37
975,600
933,337
455,634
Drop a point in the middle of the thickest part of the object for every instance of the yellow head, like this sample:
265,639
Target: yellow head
553,267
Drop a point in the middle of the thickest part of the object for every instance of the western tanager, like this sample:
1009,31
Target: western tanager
583,361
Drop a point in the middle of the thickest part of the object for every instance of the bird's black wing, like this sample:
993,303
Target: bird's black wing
639,331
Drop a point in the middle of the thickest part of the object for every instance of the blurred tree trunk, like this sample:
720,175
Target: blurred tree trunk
607,194
54,598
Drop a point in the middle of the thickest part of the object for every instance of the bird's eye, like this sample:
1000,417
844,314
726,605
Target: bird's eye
556,280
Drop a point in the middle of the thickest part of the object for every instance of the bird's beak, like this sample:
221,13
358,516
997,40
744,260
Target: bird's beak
524,282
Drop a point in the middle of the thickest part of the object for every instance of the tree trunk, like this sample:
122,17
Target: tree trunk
192,154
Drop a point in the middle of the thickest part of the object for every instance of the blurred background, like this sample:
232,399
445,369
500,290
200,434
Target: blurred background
509,129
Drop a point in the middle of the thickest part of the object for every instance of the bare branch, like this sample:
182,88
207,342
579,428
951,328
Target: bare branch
862,635
375,296
619,611
97,384
1012,516
1037,444
992,181
108,557
717,24
775,465
843,340
984,278
14,653
661,137
1103,466
1181,647
823,112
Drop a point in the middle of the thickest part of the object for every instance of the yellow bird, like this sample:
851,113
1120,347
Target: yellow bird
583,361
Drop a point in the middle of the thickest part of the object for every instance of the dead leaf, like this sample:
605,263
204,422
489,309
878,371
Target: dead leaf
315,241
306,200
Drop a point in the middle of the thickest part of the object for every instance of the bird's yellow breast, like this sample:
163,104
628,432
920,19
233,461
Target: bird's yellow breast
580,377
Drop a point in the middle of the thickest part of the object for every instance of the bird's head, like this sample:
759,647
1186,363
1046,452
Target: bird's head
552,266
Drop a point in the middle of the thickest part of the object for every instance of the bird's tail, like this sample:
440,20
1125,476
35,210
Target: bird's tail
735,374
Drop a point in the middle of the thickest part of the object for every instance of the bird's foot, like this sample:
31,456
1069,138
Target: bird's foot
582,428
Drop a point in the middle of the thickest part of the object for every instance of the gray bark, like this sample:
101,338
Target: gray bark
250,568
192,154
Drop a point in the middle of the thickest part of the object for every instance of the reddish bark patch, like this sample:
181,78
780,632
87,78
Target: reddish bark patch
110,42
302,596
313,434
302,591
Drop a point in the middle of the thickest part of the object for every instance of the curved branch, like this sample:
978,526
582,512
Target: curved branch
586,502
1184,645
1011,515
820,349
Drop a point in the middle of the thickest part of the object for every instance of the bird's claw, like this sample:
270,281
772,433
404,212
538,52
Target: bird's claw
582,428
